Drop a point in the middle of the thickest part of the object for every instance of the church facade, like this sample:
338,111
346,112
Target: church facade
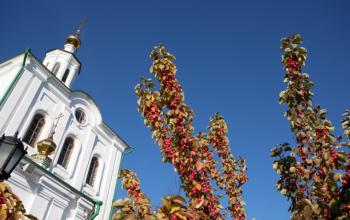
73,159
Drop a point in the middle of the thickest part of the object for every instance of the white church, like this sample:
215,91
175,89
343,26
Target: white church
73,159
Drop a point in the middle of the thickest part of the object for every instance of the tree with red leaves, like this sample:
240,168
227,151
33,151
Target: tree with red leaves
192,155
11,206
315,174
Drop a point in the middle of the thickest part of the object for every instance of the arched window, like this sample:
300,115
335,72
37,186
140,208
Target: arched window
80,116
65,75
91,177
34,129
66,152
55,69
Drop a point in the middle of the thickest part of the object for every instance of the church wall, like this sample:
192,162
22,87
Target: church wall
38,91
45,198
113,175
8,73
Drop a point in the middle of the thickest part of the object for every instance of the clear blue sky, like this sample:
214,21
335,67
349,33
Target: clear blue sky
228,60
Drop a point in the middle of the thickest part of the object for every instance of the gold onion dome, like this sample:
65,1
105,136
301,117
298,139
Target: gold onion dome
47,146
74,40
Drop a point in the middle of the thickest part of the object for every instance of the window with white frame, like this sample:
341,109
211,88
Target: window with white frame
80,116
66,152
92,173
34,130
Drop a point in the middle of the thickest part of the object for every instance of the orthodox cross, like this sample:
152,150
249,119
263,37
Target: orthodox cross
81,25
53,130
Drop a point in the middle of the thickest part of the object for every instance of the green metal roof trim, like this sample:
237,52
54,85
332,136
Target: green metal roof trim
19,73
96,202
98,205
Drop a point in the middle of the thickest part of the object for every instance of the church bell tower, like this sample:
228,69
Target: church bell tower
63,63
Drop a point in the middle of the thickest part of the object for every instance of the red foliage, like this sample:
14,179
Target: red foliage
170,120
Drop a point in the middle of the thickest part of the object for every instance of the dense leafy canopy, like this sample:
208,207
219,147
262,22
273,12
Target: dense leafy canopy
314,174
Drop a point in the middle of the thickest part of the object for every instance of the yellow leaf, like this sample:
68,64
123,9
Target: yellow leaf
199,203
178,199
174,209
180,216
199,165
166,203
197,185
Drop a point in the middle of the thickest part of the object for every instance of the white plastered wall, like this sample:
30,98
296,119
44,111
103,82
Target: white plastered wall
38,91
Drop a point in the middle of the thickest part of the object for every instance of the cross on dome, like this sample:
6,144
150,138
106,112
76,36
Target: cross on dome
74,39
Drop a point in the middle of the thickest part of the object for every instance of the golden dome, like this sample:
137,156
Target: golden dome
74,40
47,146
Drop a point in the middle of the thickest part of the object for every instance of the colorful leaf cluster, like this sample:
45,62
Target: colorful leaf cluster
170,120
174,208
346,123
11,206
234,175
138,206
314,175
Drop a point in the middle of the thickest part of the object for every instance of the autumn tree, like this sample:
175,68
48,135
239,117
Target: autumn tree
11,206
138,206
314,174
170,119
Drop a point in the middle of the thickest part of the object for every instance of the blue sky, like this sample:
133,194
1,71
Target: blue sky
228,60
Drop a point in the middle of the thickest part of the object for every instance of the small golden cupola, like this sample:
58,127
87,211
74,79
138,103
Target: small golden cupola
73,41
46,148
63,63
